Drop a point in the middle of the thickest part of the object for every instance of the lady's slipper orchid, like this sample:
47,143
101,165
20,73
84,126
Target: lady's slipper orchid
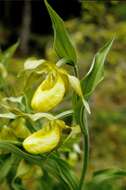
46,139
51,91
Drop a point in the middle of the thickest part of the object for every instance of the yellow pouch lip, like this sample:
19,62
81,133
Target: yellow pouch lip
47,99
44,140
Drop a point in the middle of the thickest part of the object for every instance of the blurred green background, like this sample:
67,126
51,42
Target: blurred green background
96,23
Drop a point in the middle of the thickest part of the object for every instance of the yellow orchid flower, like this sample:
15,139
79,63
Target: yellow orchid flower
46,139
51,91
49,94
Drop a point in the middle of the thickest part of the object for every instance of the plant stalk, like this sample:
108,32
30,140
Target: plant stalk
85,133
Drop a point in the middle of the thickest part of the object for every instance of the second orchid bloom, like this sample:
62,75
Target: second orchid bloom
45,139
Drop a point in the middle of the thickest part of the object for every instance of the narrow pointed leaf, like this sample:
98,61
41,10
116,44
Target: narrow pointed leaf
64,172
20,153
107,174
62,43
91,80
7,55
96,72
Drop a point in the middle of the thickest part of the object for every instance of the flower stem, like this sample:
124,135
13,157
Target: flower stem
85,132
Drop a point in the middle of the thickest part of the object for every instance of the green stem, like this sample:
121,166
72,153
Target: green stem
84,129
76,72
85,133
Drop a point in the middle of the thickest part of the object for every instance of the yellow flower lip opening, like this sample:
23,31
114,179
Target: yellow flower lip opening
49,94
44,140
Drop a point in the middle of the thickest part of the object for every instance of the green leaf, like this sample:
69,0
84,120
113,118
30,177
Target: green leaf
46,181
6,167
62,171
95,74
66,174
91,80
107,174
62,43
20,153
9,53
